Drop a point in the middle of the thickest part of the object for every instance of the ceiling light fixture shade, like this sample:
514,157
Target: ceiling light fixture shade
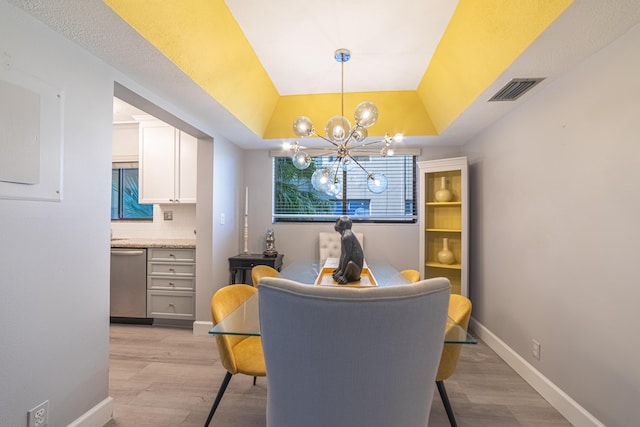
377,183
346,140
300,159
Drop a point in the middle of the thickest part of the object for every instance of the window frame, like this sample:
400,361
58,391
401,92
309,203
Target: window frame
121,168
406,218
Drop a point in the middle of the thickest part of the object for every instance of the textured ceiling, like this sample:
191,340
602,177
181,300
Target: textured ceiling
391,41
285,33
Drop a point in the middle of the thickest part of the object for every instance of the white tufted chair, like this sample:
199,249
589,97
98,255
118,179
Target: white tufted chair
329,245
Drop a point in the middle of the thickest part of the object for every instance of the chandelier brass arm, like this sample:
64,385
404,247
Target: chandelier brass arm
345,138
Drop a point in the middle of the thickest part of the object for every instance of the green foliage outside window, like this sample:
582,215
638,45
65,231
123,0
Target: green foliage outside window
294,192
124,196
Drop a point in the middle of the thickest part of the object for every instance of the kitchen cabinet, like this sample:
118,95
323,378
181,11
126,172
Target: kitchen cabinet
125,145
444,223
168,164
171,283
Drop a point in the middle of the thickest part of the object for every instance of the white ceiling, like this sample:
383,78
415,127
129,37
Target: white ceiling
391,44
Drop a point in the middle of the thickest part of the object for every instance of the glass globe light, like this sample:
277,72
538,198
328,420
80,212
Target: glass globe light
320,180
359,134
301,160
302,126
377,183
347,163
366,114
335,189
337,129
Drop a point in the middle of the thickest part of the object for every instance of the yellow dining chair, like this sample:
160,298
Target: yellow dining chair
411,275
260,271
459,312
238,354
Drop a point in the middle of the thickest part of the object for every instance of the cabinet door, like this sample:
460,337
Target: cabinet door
187,168
157,164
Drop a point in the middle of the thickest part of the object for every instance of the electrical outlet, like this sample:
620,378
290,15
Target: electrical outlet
535,349
168,215
39,416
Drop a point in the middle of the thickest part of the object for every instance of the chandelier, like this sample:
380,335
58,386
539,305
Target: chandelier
346,140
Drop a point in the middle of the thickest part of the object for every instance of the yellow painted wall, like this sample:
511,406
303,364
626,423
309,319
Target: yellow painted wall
201,37
205,42
483,38
398,112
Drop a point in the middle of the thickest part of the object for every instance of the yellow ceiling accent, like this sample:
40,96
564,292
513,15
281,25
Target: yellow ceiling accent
482,39
399,112
205,42
201,37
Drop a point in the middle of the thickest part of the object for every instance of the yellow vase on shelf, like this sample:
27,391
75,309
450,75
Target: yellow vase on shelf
443,194
445,256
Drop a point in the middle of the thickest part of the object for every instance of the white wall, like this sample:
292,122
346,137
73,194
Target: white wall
555,190
54,257
214,249
182,226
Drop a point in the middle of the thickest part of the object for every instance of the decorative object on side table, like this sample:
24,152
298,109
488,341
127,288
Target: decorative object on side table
443,194
351,255
445,256
270,240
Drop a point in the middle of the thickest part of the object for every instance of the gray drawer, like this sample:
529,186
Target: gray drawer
171,283
171,305
169,254
171,269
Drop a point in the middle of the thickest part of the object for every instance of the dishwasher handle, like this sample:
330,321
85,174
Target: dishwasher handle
128,252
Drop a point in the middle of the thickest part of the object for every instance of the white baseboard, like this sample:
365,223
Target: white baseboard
97,416
562,402
201,328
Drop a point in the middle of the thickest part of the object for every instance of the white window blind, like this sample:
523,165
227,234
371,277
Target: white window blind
295,199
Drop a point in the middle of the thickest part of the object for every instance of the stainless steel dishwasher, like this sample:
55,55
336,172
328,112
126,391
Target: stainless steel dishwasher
129,285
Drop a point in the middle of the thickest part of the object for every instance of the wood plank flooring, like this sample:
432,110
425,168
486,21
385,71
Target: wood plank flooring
168,377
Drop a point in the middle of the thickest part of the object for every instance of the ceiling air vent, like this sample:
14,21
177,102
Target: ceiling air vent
514,89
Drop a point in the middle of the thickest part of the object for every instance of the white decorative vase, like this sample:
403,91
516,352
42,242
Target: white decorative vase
445,256
443,194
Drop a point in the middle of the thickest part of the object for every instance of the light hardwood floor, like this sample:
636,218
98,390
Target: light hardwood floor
168,377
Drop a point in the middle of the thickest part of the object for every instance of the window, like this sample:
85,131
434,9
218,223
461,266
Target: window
295,199
124,195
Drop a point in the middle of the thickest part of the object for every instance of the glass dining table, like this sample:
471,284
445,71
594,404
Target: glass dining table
245,319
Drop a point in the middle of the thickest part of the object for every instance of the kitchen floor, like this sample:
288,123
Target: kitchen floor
168,377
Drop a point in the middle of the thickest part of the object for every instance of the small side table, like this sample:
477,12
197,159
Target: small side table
239,265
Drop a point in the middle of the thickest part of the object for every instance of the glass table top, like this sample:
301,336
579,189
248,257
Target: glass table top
244,320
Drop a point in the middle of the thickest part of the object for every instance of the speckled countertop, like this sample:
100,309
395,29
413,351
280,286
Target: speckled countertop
153,243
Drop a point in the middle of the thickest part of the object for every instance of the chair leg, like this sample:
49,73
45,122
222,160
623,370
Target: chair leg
447,404
254,380
223,387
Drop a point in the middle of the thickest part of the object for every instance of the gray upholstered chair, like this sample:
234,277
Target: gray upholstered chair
329,245
351,357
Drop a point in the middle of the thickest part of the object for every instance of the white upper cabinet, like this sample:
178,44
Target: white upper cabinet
187,164
125,147
168,161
